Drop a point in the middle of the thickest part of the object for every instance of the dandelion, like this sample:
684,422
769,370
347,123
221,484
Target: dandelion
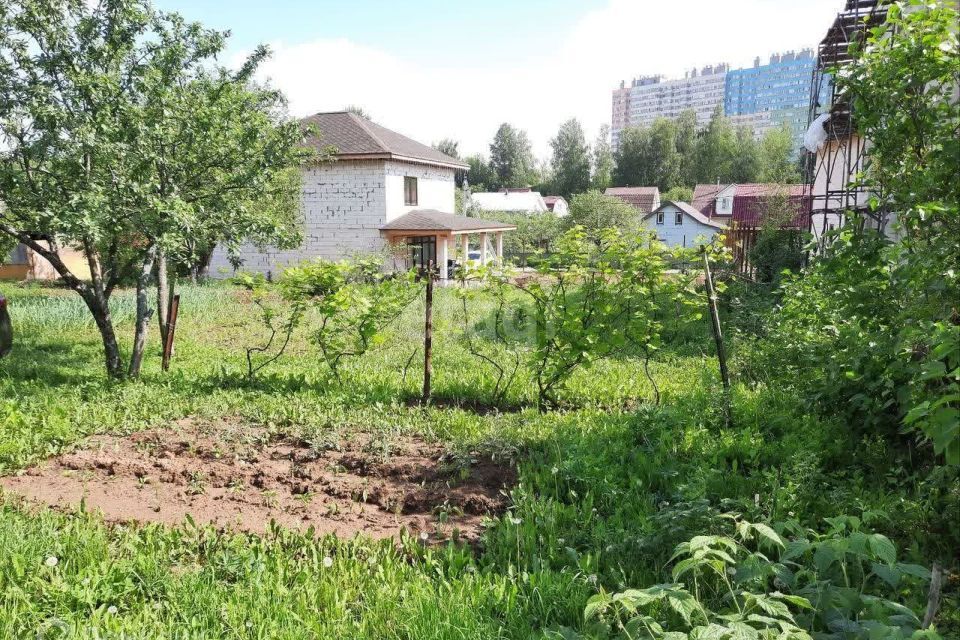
515,521
371,561
328,562
112,610
52,561
555,470
424,536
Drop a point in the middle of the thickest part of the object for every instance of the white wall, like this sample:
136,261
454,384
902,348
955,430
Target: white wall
682,235
724,201
344,204
435,188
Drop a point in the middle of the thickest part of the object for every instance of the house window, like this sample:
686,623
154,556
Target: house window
423,250
410,191
679,219
660,217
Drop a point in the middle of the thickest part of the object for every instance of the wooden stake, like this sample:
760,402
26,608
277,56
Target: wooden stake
715,319
428,336
171,330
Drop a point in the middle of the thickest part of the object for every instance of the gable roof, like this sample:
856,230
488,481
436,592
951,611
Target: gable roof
433,220
357,138
704,195
750,201
508,200
643,198
690,211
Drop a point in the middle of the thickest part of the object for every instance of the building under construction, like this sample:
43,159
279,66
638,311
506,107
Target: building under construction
838,152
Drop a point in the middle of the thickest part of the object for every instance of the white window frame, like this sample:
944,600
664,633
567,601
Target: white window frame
659,217
678,219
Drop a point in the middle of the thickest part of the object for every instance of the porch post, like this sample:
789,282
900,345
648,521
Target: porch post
483,249
465,241
500,247
442,256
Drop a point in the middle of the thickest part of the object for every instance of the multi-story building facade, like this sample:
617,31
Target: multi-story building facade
651,97
760,97
780,89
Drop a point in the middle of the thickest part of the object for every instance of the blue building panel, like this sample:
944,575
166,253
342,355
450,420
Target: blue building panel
780,88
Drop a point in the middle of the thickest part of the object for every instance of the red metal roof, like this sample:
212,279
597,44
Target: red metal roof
643,198
751,203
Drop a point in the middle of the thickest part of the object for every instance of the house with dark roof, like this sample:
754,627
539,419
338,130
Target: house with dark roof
646,199
679,224
381,188
747,205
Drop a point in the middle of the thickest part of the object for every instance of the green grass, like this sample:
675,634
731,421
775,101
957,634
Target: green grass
606,488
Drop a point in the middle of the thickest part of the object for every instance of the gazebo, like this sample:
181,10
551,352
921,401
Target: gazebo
433,237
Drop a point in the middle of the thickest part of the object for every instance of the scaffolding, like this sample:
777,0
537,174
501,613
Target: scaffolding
832,171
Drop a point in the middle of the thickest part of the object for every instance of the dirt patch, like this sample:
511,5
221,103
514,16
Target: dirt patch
240,477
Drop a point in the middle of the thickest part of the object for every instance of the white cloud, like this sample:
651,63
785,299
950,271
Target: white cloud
624,39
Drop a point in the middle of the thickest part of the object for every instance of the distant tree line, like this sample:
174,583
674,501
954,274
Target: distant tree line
670,154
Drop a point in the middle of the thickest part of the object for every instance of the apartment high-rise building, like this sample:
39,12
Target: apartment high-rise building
780,89
760,97
620,115
652,97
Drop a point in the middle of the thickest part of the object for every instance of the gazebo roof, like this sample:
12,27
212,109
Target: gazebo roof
433,220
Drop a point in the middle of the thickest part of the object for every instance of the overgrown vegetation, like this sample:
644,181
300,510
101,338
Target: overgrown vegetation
824,505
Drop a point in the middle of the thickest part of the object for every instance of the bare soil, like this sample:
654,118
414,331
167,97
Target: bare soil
240,477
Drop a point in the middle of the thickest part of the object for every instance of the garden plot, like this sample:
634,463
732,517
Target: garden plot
241,477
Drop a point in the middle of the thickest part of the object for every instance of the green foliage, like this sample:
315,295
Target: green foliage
533,237
595,295
123,139
872,326
274,320
649,156
671,153
602,160
677,194
511,157
481,175
777,157
448,146
595,211
746,165
781,581
571,160
354,301
716,150
779,246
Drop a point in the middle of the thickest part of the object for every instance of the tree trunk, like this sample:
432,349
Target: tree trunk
100,309
163,297
143,315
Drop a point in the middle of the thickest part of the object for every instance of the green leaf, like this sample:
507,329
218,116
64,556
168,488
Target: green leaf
768,534
883,548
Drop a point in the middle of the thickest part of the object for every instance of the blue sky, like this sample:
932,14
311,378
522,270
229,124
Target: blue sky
432,69
471,33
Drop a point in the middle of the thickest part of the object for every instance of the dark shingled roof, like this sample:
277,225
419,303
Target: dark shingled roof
433,220
355,137
642,198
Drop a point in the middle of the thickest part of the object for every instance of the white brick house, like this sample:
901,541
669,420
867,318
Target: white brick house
377,177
